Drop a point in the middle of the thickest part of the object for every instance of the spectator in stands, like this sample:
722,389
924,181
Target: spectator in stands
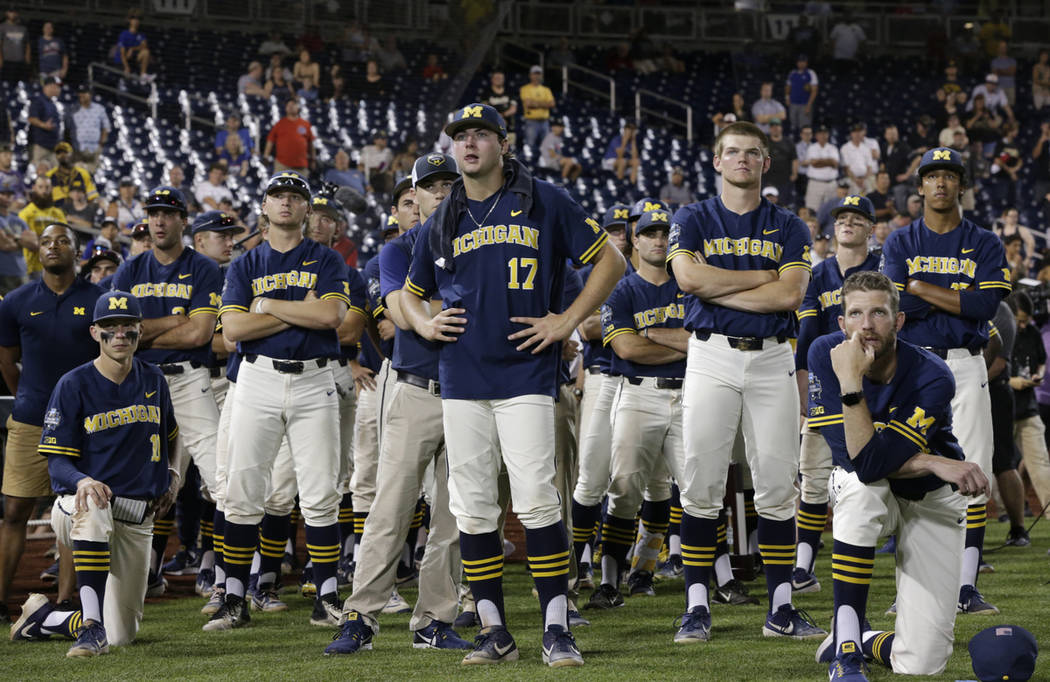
783,165
766,108
551,156
1005,170
274,44
177,179
343,175
846,38
993,32
89,128
372,85
235,156
824,217
800,91
213,188
10,178
108,238
291,142
45,124
333,85
277,64
433,70
669,61
14,49
537,100
65,173
376,162
859,160
141,240
983,125
677,191
1005,67
1040,156
948,106
126,208
308,92
1015,259
771,194
913,208
947,135
623,151
278,86
1008,225
251,83
390,57
922,137
233,127
882,197
822,162
897,159
52,58
38,214
951,84
103,263
498,97
994,98
879,232
305,68
405,159
967,45
12,229
805,138
561,55
133,48
821,248
80,213
1041,81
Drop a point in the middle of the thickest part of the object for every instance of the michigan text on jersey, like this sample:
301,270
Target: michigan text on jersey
656,316
744,246
944,265
125,415
284,280
163,290
488,235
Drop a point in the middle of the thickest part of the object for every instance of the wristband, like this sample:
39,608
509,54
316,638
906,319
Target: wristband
852,399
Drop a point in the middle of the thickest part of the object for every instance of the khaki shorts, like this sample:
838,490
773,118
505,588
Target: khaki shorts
25,469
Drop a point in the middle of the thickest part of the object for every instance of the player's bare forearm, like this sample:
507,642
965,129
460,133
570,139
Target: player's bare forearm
802,378
967,477
310,313
642,351
394,312
591,328
197,332
783,295
676,338
218,345
372,330
850,360
238,326
945,299
153,327
9,357
708,282
351,328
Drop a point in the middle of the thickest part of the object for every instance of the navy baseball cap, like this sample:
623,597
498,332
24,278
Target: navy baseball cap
114,304
618,214
102,253
657,218
402,186
436,164
215,221
1003,652
646,204
942,157
328,205
856,204
391,224
289,180
165,197
476,115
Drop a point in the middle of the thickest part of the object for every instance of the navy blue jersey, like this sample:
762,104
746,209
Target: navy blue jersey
912,414
819,313
636,304
118,434
969,259
595,352
378,310
190,286
411,353
52,333
357,292
512,266
288,276
768,238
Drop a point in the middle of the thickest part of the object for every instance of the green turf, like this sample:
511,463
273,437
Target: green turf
626,644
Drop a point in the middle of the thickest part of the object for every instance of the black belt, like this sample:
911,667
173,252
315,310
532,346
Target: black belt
288,366
594,369
215,372
170,368
343,362
942,353
433,387
740,342
661,382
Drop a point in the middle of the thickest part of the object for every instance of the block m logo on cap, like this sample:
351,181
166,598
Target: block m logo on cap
118,303
471,112
619,213
851,201
942,155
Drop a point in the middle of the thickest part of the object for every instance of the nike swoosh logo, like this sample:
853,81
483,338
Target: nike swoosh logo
205,389
892,410
983,384
515,213
188,274
309,262
150,394
770,231
967,250
791,373
35,314
329,392
503,651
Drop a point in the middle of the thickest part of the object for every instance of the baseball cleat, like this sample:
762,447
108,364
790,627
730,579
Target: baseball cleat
848,665
307,586
215,601
585,581
971,601
406,576
35,611
50,574
232,614
467,619
205,582
605,597
892,611
985,567
155,584
344,573
185,562
439,635
353,636
640,584
267,601
791,622
288,563
826,651
492,645
559,648
671,569
734,593
803,581
695,626
397,604
328,611
1018,538
576,620
91,641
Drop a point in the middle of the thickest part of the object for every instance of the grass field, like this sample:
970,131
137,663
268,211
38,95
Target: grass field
632,643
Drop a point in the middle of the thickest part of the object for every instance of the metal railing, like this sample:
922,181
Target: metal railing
150,101
506,58
639,110
577,85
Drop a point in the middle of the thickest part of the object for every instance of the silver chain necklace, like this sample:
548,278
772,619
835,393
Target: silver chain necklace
491,208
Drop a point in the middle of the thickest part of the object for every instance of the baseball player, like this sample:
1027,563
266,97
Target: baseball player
178,290
642,322
952,274
103,263
282,304
43,334
495,250
110,441
745,266
413,438
884,407
818,315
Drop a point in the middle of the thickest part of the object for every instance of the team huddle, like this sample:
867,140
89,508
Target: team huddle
444,381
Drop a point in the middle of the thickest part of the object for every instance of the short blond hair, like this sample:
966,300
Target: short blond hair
744,129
